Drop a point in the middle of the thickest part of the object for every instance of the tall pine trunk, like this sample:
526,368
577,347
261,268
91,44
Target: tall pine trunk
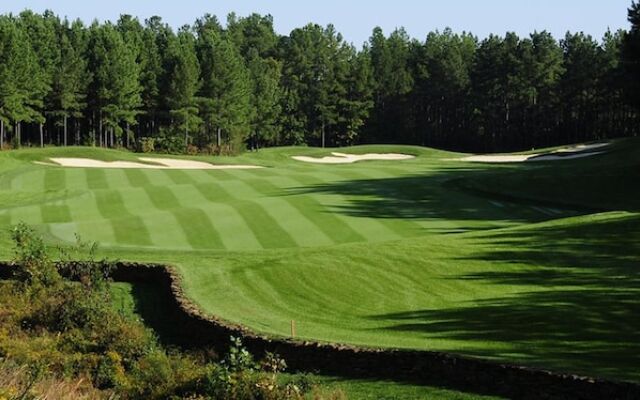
186,136
65,130
218,137
127,133
323,134
1,134
41,135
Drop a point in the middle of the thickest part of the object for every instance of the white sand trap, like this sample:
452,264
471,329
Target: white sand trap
343,158
160,163
567,153
48,164
191,164
582,147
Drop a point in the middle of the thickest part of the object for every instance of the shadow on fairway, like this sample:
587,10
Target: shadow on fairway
440,195
583,318
501,193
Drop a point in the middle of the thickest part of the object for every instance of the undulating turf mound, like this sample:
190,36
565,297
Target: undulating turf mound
533,263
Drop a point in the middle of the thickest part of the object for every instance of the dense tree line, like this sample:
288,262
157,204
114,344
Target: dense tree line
220,88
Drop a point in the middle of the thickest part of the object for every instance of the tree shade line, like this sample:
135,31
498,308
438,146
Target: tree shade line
214,88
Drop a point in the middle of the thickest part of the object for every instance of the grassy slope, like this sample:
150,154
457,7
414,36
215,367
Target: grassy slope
509,262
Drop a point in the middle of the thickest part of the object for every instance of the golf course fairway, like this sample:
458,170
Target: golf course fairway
530,263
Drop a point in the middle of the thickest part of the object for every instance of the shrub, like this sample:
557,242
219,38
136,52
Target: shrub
33,266
160,375
169,145
146,145
110,372
239,377
192,150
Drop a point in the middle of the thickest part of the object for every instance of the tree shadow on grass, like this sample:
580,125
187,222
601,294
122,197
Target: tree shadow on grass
593,332
601,253
579,309
437,195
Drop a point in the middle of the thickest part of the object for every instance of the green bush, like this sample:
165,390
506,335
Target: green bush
169,145
162,375
33,266
146,145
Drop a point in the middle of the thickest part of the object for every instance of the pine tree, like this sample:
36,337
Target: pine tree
542,67
356,104
613,86
579,86
152,72
631,54
265,99
296,65
254,33
488,92
314,77
256,41
394,81
70,78
9,95
22,84
330,75
41,32
184,81
447,58
226,87
116,82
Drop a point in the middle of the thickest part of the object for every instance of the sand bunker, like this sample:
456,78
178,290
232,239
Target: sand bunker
158,163
567,153
342,158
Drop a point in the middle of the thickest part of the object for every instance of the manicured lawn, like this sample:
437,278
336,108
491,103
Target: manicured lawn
530,263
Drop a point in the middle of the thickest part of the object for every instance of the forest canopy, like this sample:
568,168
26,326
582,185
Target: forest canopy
215,88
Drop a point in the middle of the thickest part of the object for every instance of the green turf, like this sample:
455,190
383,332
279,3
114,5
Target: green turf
382,390
532,263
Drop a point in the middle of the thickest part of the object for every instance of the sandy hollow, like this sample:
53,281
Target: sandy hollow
159,163
567,153
343,158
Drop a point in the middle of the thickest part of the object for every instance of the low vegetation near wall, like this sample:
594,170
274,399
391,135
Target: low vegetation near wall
423,367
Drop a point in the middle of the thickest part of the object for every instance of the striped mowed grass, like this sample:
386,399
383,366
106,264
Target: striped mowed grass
528,263
239,210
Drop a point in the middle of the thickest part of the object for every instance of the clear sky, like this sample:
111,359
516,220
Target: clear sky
356,18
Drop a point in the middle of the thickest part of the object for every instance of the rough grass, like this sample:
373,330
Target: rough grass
527,263
18,383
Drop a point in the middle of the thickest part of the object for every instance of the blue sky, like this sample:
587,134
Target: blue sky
356,18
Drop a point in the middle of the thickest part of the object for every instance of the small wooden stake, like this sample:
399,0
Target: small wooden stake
293,328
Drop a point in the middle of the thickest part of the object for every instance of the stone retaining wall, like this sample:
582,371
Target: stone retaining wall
419,367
